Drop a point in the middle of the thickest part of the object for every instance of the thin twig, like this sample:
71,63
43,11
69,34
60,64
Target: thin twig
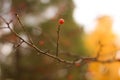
3,19
3,27
17,16
99,50
19,44
58,37
37,49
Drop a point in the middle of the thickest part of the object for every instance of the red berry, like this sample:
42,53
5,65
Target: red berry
77,64
70,77
41,42
61,21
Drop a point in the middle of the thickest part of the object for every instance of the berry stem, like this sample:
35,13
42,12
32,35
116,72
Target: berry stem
58,37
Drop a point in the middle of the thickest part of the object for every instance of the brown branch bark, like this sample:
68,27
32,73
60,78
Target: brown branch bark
80,60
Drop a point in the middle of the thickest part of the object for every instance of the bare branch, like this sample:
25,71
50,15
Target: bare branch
47,53
17,16
37,49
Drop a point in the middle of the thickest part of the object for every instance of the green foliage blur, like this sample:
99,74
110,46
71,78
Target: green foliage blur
40,18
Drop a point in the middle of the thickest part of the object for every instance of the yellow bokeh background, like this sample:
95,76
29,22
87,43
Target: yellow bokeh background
102,42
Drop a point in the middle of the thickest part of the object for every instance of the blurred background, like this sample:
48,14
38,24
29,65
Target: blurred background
40,18
88,25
